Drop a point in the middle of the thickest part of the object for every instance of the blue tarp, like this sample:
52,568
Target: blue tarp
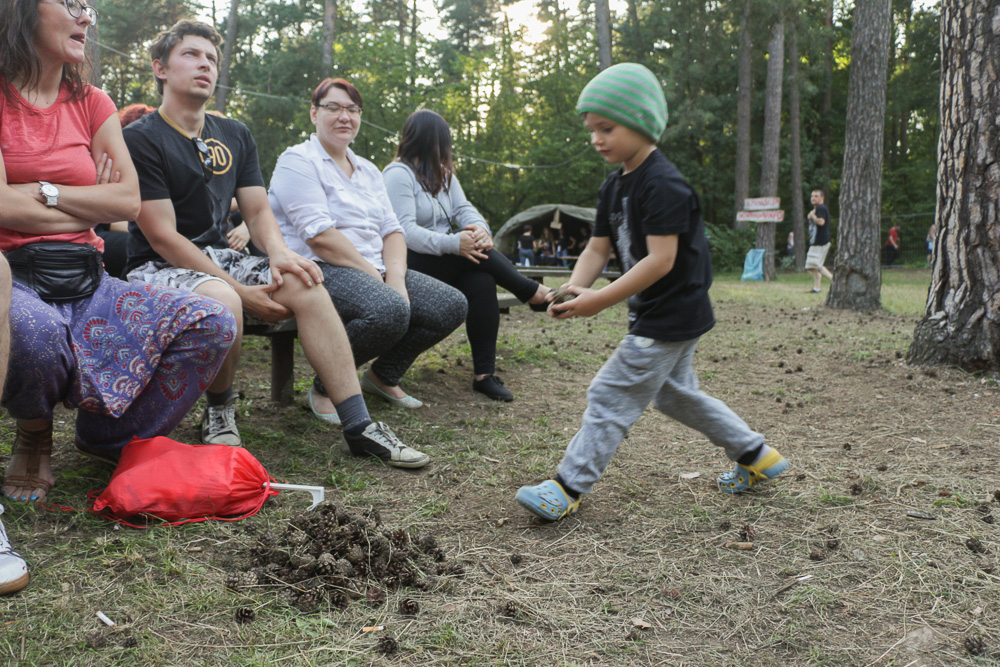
753,265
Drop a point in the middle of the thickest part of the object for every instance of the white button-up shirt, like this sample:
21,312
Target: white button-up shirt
309,194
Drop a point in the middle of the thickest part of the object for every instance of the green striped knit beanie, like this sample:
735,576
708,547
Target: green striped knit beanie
630,95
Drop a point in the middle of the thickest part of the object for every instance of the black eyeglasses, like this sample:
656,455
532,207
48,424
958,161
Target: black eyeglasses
207,163
77,8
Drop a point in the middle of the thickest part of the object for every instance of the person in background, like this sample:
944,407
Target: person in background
449,239
652,216
819,240
931,233
131,358
526,246
892,245
790,245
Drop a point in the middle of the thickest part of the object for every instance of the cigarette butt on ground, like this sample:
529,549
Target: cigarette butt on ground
742,546
104,619
372,628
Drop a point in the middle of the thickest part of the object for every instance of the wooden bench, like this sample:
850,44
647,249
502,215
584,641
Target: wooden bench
282,338
541,272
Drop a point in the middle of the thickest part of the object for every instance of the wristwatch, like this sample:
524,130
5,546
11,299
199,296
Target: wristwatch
50,192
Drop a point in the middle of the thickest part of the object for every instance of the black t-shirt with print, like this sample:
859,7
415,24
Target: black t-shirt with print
822,231
655,200
170,167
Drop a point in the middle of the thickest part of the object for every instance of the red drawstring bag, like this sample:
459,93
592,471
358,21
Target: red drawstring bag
177,483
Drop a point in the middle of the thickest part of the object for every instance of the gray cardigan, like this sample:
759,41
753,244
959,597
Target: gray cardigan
425,218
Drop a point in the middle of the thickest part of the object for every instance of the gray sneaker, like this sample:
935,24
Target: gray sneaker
218,425
379,441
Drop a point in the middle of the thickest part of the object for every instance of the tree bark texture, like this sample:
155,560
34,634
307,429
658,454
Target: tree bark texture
743,89
827,110
222,89
795,146
602,12
961,324
329,30
93,69
857,280
633,15
772,138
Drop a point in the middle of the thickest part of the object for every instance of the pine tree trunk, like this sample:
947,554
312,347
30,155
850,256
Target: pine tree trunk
603,15
94,75
329,30
827,110
772,139
633,15
857,280
222,89
961,324
743,86
795,146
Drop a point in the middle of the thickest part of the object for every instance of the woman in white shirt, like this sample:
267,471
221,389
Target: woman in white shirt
449,239
332,207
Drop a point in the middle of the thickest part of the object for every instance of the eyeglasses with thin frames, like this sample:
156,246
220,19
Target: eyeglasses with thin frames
77,8
207,163
352,110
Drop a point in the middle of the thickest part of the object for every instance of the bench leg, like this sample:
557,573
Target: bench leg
282,366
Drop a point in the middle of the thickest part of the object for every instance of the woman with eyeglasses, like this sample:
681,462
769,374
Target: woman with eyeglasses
332,207
132,358
449,240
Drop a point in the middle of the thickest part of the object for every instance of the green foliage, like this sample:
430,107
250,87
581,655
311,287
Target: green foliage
729,246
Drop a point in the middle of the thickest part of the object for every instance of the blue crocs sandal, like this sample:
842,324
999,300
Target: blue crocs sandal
744,477
548,500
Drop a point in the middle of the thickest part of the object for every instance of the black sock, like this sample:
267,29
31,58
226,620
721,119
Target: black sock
573,494
750,456
218,399
353,414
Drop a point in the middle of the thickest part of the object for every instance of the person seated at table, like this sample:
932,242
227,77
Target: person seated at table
332,207
450,240
132,358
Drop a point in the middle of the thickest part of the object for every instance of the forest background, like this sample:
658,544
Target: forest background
509,90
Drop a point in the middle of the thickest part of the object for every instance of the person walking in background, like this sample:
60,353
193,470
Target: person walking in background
648,211
449,239
931,233
819,240
526,247
892,245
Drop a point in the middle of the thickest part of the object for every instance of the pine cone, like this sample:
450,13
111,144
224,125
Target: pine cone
344,568
387,646
234,581
509,609
355,556
245,615
307,602
375,597
400,538
427,543
409,607
374,516
975,646
325,564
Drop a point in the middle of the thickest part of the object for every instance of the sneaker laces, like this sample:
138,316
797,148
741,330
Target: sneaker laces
5,545
222,418
384,436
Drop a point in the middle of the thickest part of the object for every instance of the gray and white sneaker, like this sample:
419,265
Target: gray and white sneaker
379,441
13,569
218,425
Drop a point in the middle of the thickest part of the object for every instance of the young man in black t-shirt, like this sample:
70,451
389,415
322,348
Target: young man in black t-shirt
191,165
819,240
651,217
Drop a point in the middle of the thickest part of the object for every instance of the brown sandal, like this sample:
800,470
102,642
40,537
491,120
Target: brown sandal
38,443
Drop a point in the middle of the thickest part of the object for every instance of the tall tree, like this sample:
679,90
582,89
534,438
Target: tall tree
772,138
95,77
329,31
827,90
602,13
744,83
857,281
961,324
222,89
795,145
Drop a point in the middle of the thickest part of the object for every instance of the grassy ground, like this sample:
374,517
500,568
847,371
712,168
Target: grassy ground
838,574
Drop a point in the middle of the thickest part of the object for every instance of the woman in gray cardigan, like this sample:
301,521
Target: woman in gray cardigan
448,239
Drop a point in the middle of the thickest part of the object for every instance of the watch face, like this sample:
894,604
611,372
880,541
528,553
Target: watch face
49,190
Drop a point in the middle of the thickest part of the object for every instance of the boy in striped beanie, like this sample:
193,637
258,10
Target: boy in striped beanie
651,216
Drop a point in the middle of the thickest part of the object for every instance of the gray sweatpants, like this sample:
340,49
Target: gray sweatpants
640,371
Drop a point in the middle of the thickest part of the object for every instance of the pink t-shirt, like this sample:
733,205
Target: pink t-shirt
52,145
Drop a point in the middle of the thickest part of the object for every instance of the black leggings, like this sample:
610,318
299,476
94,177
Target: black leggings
478,282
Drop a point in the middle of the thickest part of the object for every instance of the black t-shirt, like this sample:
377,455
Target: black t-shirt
525,241
822,231
655,200
170,167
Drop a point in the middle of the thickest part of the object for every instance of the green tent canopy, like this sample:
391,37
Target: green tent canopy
559,219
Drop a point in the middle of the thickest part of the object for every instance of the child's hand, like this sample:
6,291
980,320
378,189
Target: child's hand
586,304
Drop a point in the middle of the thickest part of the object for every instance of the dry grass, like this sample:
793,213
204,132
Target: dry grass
838,573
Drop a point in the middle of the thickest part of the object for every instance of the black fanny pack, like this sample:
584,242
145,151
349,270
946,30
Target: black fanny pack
57,270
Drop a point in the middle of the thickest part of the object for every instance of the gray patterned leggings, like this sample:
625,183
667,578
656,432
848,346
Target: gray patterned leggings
379,322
